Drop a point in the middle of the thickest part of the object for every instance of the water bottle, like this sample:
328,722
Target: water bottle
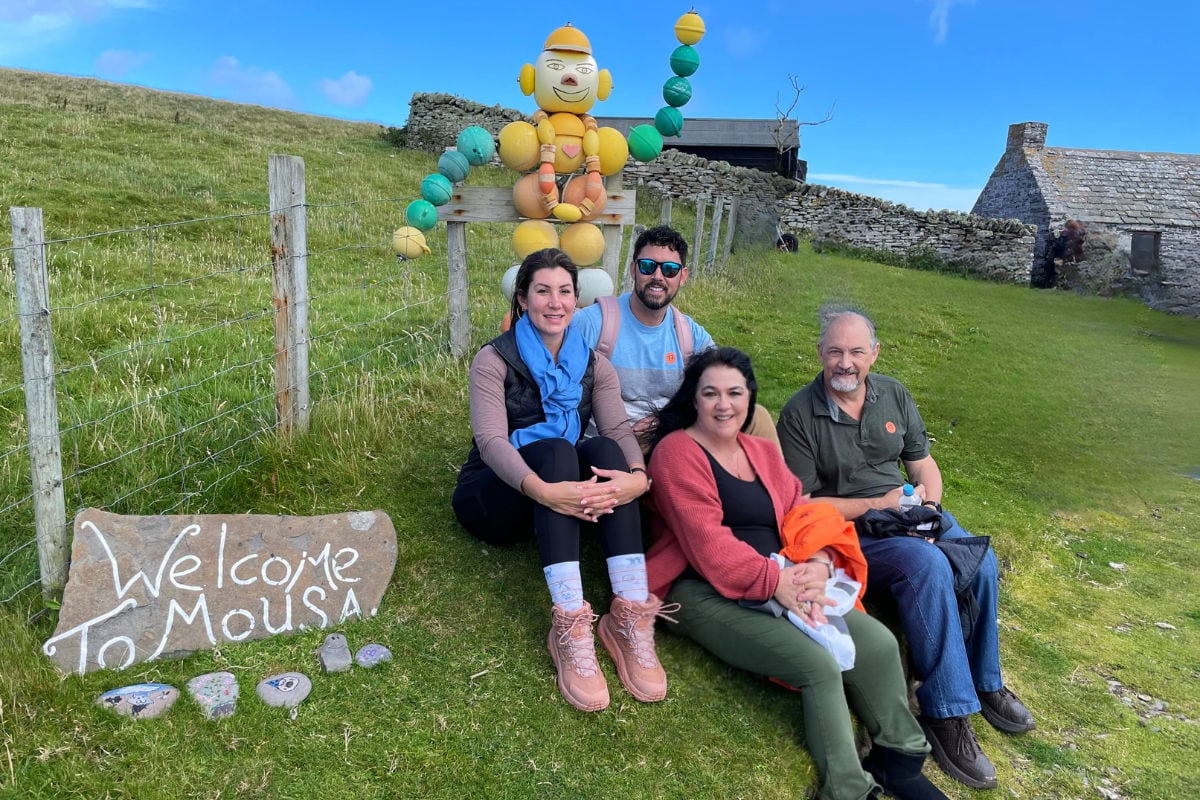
909,498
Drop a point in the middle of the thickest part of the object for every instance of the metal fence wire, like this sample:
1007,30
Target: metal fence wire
164,357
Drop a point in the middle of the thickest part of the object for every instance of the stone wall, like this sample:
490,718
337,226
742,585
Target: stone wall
1175,285
996,249
435,120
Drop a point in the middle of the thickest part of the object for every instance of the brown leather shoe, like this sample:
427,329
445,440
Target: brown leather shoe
1005,712
957,751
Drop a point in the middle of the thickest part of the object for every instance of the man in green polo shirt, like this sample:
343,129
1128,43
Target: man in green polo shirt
845,435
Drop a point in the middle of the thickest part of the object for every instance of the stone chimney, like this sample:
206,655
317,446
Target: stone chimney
1027,134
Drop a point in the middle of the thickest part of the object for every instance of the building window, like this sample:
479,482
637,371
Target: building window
1143,251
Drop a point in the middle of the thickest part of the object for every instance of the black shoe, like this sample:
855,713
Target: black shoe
900,774
957,752
1005,712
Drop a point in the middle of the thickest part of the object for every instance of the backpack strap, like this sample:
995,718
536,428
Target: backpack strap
683,332
610,324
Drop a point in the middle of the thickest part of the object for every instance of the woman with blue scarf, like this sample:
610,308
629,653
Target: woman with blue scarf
533,391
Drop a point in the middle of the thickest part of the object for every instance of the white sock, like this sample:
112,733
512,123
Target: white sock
566,587
628,576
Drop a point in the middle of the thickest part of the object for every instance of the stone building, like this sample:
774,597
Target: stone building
1147,204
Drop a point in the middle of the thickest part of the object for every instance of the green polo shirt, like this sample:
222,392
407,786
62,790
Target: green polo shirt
835,455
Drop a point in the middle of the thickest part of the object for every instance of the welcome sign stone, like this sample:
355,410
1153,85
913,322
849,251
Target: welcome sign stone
142,588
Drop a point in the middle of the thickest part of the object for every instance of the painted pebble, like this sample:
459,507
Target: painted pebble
286,690
371,654
141,700
216,693
335,653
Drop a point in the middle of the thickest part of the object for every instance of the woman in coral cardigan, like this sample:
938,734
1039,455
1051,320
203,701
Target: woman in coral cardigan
721,504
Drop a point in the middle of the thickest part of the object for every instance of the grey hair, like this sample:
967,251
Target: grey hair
828,314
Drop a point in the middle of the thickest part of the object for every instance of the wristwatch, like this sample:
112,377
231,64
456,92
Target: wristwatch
819,560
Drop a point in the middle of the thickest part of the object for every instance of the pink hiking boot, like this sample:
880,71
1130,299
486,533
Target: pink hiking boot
627,632
573,649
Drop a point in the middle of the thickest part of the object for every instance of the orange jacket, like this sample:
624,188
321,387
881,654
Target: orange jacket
809,527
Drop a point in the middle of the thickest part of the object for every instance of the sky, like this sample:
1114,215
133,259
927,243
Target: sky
919,93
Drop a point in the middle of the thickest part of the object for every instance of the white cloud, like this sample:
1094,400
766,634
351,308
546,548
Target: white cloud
249,84
119,63
350,90
64,11
939,18
917,195
28,25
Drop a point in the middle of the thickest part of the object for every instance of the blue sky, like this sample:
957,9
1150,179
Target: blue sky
921,91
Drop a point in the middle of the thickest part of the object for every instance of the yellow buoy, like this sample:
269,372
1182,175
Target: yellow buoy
533,235
689,28
408,242
583,242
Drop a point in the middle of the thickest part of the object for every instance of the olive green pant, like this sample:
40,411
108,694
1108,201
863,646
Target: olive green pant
772,646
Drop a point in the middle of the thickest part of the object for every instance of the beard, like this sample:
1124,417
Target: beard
654,303
844,381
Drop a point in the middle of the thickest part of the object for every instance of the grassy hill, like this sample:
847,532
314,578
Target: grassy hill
1066,427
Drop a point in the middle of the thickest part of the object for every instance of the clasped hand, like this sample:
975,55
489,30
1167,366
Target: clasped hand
589,499
801,590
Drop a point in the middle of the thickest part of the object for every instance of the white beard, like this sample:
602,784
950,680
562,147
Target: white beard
844,383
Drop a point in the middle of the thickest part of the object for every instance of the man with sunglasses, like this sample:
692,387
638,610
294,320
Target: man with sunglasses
651,342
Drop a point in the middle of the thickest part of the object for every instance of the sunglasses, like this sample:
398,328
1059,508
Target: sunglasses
648,266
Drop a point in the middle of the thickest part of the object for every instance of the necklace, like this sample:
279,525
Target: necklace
731,461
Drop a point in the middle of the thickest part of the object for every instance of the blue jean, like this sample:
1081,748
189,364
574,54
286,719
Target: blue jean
918,576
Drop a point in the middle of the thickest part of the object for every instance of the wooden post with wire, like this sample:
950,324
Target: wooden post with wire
41,400
289,280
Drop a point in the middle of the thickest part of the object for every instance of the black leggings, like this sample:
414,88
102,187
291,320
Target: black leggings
494,512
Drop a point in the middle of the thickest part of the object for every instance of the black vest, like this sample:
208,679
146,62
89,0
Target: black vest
523,399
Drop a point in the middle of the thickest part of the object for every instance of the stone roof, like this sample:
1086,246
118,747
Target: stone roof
1123,187
1117,187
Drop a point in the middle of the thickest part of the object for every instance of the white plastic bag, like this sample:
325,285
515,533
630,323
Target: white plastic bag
833,635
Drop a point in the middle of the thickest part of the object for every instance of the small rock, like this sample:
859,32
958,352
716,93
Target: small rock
286,690
371,654
1117,565
216,693
334,654
141,700
1166,626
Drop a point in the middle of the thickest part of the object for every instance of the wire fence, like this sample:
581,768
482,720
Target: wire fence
164,355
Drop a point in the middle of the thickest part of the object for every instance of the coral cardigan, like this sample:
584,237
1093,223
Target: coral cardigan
687,525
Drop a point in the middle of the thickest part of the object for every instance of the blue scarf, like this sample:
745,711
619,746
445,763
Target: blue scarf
561,384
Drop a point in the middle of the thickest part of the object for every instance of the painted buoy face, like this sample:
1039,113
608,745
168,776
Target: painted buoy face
566,81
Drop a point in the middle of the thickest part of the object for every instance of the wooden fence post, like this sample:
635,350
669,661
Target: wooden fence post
289,280
457,288
611,261
41,404
698,238
715,233
626,284
730,229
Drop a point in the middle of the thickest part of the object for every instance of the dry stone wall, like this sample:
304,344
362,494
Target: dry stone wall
996,249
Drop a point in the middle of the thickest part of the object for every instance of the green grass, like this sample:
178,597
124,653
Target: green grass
1064,426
